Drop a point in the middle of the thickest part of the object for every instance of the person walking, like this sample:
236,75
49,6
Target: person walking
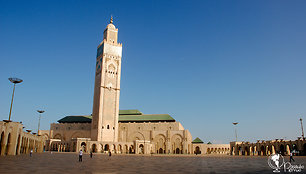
90,154
109,153
291,157
31,152
80,155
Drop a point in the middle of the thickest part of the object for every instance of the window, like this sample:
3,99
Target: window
107,126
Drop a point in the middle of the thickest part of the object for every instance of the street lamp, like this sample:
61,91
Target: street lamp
235,123
40,112
15,81
301,120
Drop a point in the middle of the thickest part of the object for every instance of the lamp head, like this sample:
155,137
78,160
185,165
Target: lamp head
15,80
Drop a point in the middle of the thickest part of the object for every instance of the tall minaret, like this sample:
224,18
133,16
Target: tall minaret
104,126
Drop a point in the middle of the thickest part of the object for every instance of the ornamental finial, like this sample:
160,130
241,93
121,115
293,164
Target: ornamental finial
111,20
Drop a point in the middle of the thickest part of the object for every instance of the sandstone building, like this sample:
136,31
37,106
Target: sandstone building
14,141
263,148
124,131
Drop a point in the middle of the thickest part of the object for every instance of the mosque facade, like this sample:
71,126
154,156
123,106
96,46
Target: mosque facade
121,131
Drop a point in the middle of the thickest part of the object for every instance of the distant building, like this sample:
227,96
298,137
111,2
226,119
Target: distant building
265,148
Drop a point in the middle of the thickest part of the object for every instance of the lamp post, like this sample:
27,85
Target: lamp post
40,112
301,120
15,81
235,123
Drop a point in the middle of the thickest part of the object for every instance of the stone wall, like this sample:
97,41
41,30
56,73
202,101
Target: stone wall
14,141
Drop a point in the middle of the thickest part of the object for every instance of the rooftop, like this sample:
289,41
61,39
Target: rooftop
197,140
124,116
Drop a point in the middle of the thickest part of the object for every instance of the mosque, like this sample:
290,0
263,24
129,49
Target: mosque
121,131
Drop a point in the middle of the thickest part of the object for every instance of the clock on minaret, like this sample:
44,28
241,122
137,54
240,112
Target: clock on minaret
104,126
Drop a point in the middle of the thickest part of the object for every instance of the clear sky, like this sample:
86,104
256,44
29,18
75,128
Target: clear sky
206,63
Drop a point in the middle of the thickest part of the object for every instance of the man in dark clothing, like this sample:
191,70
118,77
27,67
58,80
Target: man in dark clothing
291,157
80,155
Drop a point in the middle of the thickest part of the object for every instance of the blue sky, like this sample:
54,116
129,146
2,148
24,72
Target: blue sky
206,63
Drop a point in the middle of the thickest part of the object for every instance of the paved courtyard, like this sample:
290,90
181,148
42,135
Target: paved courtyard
100,163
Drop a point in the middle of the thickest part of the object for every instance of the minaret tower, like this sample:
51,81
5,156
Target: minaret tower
104,126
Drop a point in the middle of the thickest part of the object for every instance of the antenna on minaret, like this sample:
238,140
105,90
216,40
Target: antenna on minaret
111,20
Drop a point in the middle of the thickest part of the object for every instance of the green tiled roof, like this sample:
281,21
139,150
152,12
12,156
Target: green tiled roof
124,116
197,140
130,112
76,119
141,118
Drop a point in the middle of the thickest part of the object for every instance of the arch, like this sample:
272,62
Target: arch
177,143
1,142
141,149
57,136
131,149
246,150
282,149
160,143
8,144
197,150
83,146
106,147
137,136
94,148
77,134
114,148
119,148
18,144
126,149
262,151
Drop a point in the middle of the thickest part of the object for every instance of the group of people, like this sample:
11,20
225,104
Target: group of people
81,155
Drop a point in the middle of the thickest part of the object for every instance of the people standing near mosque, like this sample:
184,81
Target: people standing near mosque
80,155
31,152
109,153
90,154
291,157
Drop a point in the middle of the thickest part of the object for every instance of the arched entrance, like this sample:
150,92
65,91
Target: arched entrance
141,149
94,148
282,149
8,144
177,150
197,150
262,151
1,142
131,149
18,145
114,147
160,150
106,147
83,146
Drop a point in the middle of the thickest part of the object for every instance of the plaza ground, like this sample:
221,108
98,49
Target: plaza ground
44,163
